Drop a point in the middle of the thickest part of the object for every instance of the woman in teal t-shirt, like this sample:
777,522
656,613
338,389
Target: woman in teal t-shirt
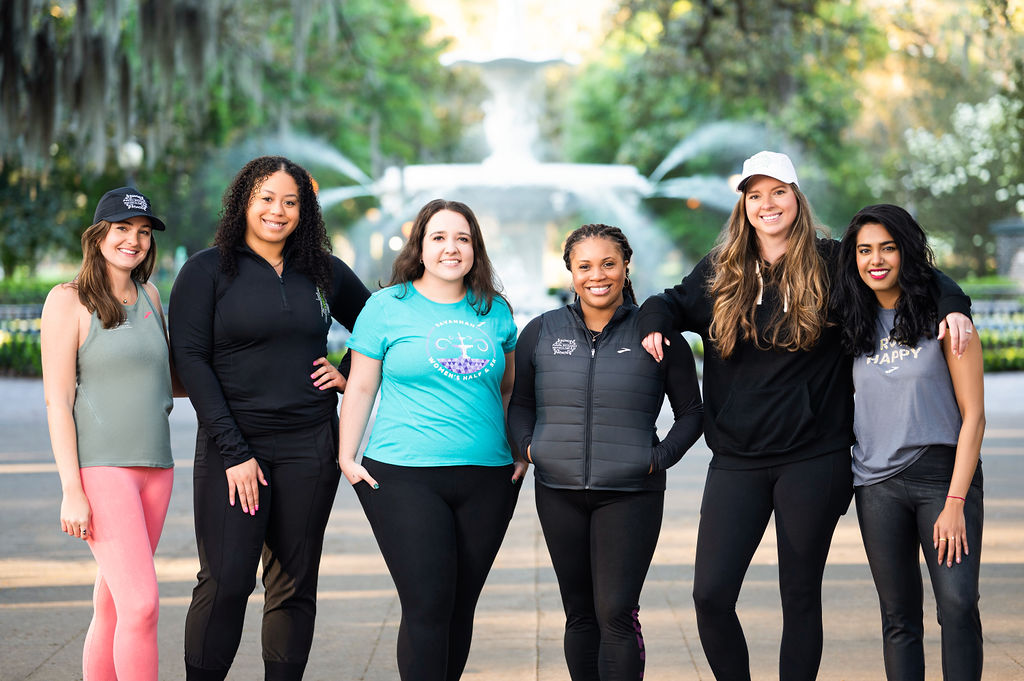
437,481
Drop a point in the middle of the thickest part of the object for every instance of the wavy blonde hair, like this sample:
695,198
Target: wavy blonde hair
734,285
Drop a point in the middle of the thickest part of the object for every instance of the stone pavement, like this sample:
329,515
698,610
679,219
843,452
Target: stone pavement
46,577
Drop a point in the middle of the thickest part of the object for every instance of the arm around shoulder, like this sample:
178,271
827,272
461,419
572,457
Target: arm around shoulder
683,392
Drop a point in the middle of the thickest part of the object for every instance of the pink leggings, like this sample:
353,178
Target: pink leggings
128,510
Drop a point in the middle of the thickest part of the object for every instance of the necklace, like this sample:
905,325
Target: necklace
594,335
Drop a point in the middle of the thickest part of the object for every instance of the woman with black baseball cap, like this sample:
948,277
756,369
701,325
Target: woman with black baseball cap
108,391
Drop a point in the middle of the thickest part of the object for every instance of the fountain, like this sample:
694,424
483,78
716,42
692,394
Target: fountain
525,206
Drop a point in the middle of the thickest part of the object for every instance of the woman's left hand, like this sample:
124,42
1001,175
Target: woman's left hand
960,328
949,534
519,470
327,376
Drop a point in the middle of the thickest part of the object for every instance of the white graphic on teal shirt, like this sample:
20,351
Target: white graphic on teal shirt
460,350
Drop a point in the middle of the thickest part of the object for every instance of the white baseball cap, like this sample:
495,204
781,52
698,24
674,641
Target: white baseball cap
770,163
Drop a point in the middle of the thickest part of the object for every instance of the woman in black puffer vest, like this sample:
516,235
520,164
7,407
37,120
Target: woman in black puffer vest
583,411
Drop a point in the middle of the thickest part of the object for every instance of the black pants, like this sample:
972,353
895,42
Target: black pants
808,498
301,468
601,545
439,529
896,520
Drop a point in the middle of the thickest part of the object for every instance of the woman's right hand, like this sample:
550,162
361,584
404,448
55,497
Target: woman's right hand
243,478
76,515
652,343
354,472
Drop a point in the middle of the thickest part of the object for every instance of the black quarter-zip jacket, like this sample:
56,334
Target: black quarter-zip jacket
244,347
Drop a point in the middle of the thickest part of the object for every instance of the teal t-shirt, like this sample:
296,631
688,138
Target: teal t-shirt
442,363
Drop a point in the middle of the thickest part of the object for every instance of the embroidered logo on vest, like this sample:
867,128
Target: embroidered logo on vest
563,346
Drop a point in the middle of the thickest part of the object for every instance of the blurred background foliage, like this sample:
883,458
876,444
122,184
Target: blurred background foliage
918,103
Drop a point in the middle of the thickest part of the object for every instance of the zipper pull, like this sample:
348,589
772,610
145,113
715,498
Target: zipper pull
593,350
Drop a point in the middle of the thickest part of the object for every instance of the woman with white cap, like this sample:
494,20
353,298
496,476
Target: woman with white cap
107,382
778,409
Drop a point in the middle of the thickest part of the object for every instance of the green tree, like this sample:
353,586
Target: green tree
671,66
204,87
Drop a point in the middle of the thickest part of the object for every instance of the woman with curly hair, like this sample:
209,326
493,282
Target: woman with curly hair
919,419
437,480
583,411
778,409
248,325
108,393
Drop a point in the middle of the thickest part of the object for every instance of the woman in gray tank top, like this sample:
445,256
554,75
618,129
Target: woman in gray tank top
919,420
107,382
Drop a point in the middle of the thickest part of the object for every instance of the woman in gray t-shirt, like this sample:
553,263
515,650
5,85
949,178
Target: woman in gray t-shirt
919,421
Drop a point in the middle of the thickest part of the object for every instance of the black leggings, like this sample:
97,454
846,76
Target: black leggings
601,544
301,468
439,529
808,497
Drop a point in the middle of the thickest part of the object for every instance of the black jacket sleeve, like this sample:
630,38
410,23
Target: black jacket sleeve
680,308
522,408
949,297
190,325
687,408
348,295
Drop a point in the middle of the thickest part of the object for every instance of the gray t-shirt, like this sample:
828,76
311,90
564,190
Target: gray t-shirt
904,403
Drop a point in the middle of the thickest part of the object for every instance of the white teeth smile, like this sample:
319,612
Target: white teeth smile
599,290
878,274
771,218
450,262
128,252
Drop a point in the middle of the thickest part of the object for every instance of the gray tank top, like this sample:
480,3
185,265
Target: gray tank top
123,394
904,403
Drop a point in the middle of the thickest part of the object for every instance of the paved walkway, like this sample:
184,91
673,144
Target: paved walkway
45,577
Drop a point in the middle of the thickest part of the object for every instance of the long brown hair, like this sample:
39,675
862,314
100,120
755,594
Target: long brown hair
734,284
481,281
92,281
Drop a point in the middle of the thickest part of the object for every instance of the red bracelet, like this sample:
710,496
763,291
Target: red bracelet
952,496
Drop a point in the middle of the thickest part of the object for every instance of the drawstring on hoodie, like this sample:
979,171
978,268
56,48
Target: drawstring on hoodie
760,289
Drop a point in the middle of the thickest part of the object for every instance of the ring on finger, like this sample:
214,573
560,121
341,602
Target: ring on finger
942,539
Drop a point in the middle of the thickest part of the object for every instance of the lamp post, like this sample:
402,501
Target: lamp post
129,157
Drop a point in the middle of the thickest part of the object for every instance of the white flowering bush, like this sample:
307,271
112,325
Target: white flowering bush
984,148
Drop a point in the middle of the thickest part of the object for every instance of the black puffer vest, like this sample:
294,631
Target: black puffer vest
597,404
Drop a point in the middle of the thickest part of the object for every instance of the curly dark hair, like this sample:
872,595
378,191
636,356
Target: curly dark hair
481,281
308,247
856,304
613,234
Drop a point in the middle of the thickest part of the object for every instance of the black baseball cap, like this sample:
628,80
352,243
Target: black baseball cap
122,203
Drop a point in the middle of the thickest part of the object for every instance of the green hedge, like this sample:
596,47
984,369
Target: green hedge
20,291
19,354
1003,349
